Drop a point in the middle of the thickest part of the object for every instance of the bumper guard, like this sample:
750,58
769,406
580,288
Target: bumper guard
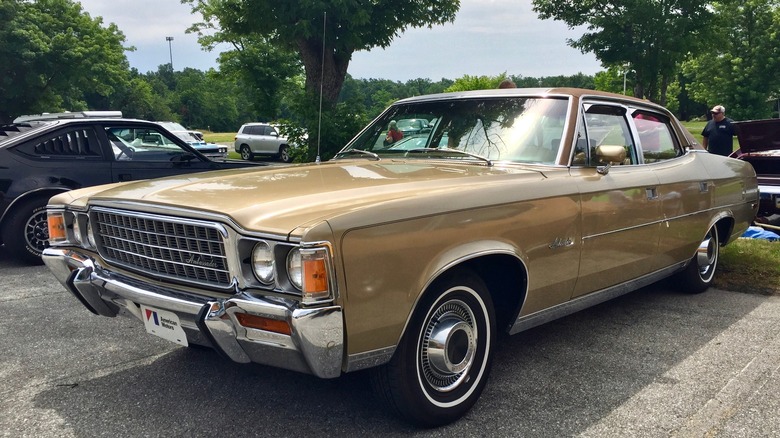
315,346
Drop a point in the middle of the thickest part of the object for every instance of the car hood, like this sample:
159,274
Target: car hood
281,199
758,135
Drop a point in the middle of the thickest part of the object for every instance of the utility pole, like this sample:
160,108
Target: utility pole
170,50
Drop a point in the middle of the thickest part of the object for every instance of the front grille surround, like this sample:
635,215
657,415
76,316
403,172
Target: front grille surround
182,250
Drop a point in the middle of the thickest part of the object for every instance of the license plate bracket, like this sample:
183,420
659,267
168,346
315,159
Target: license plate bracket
164,324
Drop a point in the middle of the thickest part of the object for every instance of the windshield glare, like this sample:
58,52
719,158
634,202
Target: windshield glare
517,129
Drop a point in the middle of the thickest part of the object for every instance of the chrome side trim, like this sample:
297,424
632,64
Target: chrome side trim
368,359
723,211
552,313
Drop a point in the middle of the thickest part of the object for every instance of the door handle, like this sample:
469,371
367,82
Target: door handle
652,193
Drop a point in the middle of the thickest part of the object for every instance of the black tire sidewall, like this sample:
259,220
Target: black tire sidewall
284,154
246,153
690,280
14,231
423,404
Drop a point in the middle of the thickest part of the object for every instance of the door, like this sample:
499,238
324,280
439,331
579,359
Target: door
142,152
620,204
683,193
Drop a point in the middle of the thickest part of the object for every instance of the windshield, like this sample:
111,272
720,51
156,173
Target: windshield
172,126
517,129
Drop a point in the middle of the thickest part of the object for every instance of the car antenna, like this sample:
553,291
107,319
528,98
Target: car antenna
322,79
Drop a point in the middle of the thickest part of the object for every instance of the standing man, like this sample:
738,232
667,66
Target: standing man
718,133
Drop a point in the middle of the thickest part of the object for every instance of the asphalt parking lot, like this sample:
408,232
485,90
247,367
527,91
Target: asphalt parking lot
650,364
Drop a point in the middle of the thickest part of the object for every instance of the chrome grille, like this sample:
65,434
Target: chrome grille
173,248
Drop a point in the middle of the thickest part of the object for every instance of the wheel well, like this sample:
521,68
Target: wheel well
506,279
724,226
45,194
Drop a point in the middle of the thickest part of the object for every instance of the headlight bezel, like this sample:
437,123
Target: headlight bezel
70,227
268,275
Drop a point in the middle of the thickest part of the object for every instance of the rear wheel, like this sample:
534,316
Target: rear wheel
442,364
26,234
700,272
246,153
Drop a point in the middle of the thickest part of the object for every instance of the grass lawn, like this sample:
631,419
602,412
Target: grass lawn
219,137
751,266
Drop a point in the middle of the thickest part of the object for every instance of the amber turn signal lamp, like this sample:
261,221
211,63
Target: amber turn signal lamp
261,323
315,276
56,223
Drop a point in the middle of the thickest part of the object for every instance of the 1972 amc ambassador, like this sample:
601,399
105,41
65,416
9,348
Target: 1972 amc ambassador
520,206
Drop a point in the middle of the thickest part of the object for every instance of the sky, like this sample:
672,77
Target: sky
488,37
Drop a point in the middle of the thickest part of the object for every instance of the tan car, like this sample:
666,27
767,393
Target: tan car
522,206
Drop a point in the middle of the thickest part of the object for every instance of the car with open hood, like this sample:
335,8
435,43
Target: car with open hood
518,207
759,145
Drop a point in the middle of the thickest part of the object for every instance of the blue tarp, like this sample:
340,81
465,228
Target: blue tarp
760,233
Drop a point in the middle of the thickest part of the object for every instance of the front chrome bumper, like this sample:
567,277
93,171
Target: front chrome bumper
315,346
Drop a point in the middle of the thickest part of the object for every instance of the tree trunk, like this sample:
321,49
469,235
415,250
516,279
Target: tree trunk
327,74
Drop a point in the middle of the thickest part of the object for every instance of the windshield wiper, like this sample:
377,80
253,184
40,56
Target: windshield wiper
359,151
448,150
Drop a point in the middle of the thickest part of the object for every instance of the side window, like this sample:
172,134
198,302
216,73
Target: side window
80,143
655,136
254,130
607,125
143,144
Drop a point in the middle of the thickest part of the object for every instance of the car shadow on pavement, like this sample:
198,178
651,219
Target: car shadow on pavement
554,380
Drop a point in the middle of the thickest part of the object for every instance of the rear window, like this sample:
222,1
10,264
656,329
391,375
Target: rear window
73,143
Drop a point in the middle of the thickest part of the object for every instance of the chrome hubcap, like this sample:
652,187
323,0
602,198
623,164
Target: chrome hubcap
707,255
448,345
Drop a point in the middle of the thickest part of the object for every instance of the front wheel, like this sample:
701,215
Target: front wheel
443,360
698,275
26,234
246,153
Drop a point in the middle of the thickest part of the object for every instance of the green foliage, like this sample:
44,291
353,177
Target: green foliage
312,28
579,80
321,134
56,57
649,37
261,70
468,82
740,72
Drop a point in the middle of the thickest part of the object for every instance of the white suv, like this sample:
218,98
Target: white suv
261,139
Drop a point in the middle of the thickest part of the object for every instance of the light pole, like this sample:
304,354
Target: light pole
170,50
625,71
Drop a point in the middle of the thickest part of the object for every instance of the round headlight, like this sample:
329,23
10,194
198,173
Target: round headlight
295,268
263,262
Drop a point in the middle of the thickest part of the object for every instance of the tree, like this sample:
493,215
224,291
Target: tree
324,45
650,37
54,55
468,82
262,70
740,71
303,27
